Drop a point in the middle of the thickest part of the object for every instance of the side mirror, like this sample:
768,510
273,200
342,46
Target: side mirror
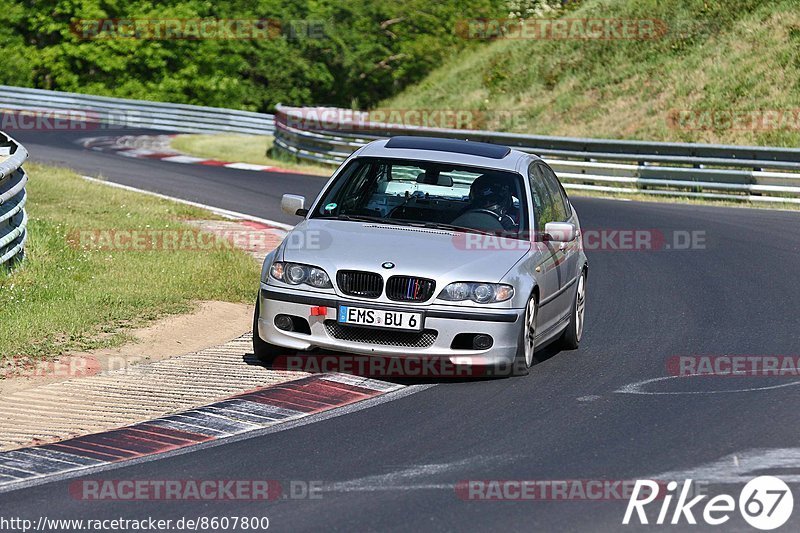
560,231
292,204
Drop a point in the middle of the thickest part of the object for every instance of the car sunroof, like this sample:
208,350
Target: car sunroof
437,144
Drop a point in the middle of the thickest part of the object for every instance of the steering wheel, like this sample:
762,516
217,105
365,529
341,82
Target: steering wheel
482,211
477,219
507,222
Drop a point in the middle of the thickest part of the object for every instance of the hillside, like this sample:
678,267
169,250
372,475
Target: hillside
721,71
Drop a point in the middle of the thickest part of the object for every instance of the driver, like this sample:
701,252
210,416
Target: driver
489,192
490,195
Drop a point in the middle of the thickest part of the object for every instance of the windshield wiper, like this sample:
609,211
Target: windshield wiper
360,218
368,218
453,227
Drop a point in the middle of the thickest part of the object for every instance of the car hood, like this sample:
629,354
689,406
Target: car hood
442,255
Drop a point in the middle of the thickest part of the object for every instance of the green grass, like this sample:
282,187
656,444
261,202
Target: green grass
716,56
240,148
66,297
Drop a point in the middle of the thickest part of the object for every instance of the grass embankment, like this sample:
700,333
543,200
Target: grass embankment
716,58
68,297
238,148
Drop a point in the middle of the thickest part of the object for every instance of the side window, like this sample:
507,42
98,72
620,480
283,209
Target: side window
543,208
351,187
562,211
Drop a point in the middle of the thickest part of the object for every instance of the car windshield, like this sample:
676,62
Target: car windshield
428,194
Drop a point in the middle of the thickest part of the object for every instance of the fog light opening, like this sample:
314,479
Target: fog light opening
482,342
284,322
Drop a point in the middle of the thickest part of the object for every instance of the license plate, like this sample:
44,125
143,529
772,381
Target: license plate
380,318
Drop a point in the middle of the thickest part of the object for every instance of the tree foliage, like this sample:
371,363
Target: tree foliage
367,50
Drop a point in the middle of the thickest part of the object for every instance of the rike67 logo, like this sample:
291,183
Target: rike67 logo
765,503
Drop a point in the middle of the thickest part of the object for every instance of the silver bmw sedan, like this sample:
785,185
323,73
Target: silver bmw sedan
462,251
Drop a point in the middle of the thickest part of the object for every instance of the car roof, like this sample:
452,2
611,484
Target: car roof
492,151
436,149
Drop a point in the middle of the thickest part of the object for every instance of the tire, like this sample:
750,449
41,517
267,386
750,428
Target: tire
526,344
264,351
571,338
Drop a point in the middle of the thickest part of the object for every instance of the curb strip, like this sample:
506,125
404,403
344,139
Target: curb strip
237,415
112,144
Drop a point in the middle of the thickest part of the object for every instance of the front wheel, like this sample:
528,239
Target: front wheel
264,351
572,335
527,339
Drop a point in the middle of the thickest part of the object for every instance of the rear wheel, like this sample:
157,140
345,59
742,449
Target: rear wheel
264,351
572,335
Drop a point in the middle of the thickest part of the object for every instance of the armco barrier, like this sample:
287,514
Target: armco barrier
13,218
754,173
134,113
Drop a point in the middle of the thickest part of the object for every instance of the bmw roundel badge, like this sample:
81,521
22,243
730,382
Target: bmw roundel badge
388,264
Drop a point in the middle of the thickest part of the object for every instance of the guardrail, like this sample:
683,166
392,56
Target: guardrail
752,173
13,218
121,112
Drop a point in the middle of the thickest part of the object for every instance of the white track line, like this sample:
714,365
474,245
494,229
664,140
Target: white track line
246,166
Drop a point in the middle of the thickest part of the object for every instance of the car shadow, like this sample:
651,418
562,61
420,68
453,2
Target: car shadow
401,371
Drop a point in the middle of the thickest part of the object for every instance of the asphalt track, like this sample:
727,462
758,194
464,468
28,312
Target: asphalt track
393,466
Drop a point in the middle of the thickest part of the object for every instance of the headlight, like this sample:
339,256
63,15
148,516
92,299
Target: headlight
482,293
296,274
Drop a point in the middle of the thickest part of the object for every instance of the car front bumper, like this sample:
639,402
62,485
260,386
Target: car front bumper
447,321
